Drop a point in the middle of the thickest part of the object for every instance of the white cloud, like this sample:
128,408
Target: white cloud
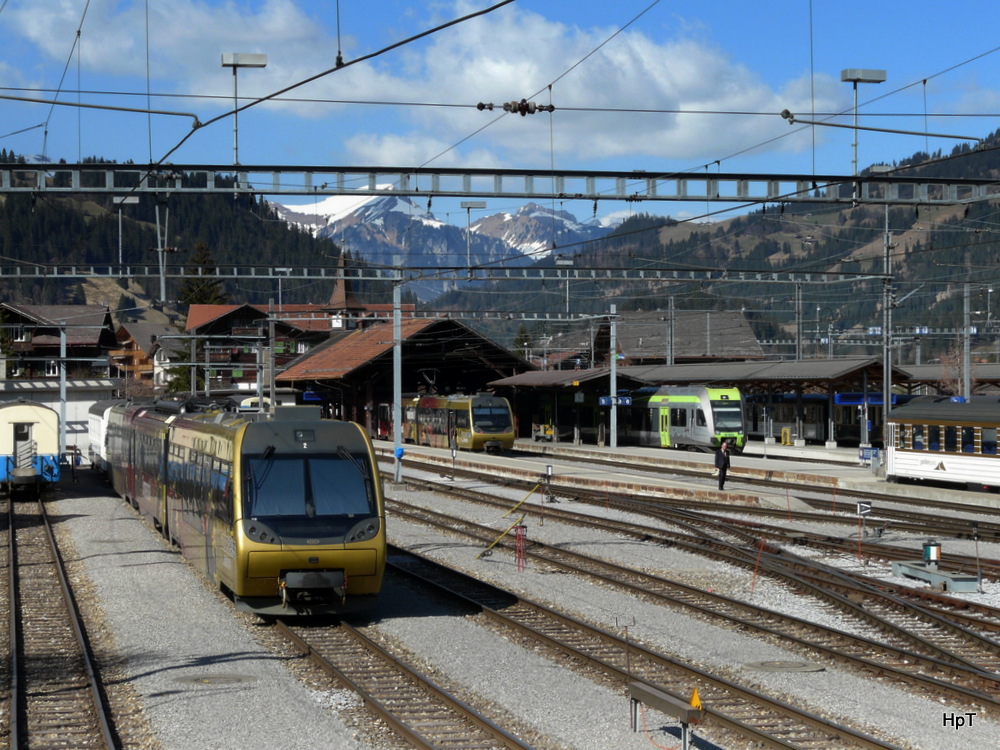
507,55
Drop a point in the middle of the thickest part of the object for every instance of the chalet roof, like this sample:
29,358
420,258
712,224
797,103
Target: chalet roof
563,378
303,317
145,336
430,345
86,325
336,358
710,333
933,374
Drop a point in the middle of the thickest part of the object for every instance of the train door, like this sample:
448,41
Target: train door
665,427
24,450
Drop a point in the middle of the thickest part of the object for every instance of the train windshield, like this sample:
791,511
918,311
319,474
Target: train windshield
728,416
326,492
491,418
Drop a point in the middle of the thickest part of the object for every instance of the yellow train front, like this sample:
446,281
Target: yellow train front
285,515
483,422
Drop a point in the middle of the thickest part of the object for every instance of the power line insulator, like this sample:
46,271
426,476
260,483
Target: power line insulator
524,107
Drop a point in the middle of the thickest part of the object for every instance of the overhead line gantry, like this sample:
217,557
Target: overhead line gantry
542,184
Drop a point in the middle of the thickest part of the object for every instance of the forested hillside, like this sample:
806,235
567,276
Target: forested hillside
45,229
933,253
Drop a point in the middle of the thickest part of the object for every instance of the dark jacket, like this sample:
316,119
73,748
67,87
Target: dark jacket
721,458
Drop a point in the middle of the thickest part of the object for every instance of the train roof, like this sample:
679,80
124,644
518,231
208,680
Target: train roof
99,407
24,402
944,409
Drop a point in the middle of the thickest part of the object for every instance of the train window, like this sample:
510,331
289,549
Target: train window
462,420
918,437
699,418
491,418
968,440
933,437
727,415
678,417
901,435
951,439
296,486
989,440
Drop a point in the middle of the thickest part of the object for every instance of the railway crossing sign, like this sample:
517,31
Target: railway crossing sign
864,509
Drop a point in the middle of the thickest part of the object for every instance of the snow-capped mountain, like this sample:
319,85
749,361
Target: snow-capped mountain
537,232
393,230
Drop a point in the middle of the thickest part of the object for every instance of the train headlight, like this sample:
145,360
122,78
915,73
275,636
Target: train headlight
363,531
256,531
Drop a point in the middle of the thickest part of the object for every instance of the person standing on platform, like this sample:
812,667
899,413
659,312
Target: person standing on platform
722,462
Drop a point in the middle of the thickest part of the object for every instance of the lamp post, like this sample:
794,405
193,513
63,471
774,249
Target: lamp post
284,272
856,76
130,200
237,60
468,206
565,262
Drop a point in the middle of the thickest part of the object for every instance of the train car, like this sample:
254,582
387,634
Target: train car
945,440
695,418
29,446
476,423
284,514
97,423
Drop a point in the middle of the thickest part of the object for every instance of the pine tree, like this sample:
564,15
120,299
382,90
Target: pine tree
205,289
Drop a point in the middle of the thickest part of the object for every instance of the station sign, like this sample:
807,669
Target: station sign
612,400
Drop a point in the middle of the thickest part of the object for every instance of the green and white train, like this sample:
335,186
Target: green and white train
685,417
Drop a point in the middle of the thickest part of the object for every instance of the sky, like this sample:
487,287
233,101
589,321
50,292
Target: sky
659,86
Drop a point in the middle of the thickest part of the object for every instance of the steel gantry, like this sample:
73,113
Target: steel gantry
14,271
891,187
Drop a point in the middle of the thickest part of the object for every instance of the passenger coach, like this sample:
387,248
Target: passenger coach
477,423
698,418
285,515
29,446
945,440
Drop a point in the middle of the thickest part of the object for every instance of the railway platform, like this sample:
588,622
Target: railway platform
668,473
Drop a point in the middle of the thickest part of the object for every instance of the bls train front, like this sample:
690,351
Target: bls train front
286,515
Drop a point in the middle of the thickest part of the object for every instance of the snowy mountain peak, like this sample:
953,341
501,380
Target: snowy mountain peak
390,229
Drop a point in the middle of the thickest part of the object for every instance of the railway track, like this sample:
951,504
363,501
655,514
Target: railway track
729,707
932,623
423,713
892,650
54,695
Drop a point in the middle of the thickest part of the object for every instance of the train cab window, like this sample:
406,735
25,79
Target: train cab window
292,491
462,420
989,441
933,437
951,439
491,418
968,440
918,437
699,418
